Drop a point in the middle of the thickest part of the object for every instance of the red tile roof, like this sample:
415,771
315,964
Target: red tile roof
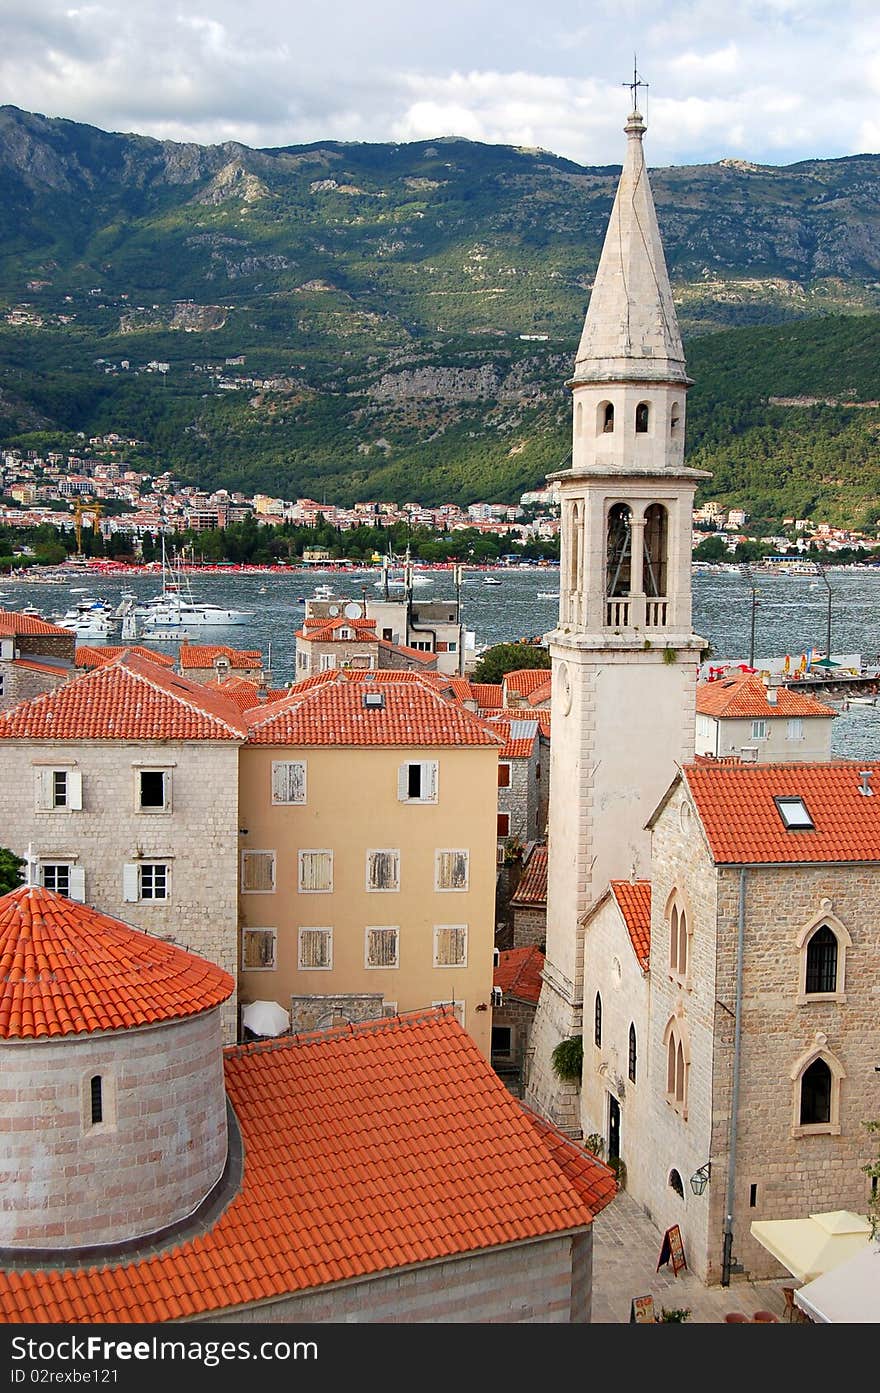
411,653
327,630
366,1150
743,824
519,972
595,1182
532,887
243,693
34,665
205,655
541,693
333,713
489,696
744,695
131,698
544,722
99,656
524,681
513,722
12,623
634,902
65,969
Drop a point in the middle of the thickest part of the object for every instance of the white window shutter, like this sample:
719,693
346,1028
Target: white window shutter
130,883
403,783
43,786
297,786
279,782
77,884
74,792
430,771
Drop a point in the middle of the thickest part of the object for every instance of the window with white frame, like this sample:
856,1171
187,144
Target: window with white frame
450,945
326,661
383,870
153,790
58,788
816,1085
65,878
315,950
288,781
451,870
258,949
315,871
705,727
258,872
759,730
381,946
456,1007
417,781
146,880
795,729
822,945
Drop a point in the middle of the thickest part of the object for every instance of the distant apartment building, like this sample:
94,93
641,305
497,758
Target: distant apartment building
741,715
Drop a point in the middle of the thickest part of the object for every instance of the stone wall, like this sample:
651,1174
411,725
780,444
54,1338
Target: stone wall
20,683
159,1150
323,1012
520,1016
529,925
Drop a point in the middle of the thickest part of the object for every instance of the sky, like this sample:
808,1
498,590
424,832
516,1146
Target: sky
769,81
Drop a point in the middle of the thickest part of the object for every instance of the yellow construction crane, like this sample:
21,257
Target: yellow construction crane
80,509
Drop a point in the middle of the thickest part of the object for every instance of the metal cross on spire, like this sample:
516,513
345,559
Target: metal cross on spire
635,85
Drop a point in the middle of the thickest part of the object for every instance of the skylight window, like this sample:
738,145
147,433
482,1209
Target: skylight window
374,699
795,814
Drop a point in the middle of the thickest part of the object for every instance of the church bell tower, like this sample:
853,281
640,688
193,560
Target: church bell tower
625,657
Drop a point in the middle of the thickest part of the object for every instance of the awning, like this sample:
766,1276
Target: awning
809,1247
849,1293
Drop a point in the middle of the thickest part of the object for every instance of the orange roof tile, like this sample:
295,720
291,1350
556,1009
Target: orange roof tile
544,722
12,623
204,655
634,902
744,695
65,969
131,698
34,665
365,1150
327,630
532,887
521,730
414,654
595,1182
524,680
89,656
489,696
744,826
519,972
541,693
244,694
333,713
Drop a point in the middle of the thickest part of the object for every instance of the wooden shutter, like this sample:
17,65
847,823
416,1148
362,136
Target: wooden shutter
44,784
130,891
288,781
316,870
450,945
452,870
382,947
315,948
383,870
403,783
74,792
430,772
77,884
258,870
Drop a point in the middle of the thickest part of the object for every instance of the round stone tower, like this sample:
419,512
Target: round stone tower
112,1101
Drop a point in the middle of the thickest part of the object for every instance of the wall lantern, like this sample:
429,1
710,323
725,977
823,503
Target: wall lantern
700,1178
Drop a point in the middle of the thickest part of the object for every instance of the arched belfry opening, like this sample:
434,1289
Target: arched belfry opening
656,569
643,418
618,551
605,417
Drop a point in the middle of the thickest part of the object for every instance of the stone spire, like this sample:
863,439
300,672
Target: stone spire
631,331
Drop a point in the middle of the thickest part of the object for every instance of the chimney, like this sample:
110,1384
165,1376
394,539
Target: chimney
770,691
865,787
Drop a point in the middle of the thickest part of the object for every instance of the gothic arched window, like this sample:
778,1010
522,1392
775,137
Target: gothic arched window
605,417
678,1061
822,962
816,1077
655,570
815,1094
597,1020
632,1054
643,417
618,551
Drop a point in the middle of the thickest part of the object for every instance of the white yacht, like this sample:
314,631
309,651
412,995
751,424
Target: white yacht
88,618
175,607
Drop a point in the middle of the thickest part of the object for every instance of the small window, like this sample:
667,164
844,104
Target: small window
503,824
675,1183
502,1043
451,870
675,418
815,1094
606,417
677,1066
55,875
417,781
316,949
795,729
154,788
315,872
382,947
450,945
58,789
383,870
258,950
504,774
374,701
153,880
759,730
96,1089
597,1020
642,418
795,814
326,661
258,872
288,781
822,962
631,1070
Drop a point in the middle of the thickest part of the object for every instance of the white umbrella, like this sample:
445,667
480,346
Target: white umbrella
850,1292
809,1247
265,1018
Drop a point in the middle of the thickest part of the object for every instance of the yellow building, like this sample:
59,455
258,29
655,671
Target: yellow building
367,857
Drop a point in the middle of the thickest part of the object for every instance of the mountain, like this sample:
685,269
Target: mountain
407,314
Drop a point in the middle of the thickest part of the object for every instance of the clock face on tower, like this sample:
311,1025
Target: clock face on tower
563,688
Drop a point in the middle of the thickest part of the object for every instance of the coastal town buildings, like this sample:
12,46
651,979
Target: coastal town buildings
35,656
740,714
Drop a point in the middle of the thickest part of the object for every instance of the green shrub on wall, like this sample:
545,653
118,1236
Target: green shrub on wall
568,1059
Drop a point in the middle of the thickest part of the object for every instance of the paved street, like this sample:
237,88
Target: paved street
626,1246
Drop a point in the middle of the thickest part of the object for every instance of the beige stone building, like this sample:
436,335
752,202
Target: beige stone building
35,656
332,643
122,788
757,1027
367,853
762,722
215,662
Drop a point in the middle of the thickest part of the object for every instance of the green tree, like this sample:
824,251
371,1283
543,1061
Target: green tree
10,870
509,657
712,548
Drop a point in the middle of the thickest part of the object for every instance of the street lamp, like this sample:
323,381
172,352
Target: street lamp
828,622
700,1178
